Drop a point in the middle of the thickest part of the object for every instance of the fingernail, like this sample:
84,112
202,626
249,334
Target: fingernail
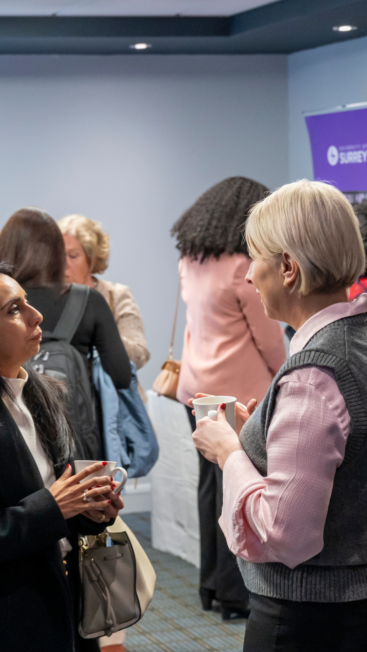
110,501
98,486
67,466
111,479
222,406
112,486
104,463
89,488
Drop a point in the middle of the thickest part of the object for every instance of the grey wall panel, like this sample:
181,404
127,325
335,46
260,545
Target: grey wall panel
132,142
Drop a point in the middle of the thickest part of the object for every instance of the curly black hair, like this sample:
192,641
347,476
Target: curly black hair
361,212
214,224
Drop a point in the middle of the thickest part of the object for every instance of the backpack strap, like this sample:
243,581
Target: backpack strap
72,314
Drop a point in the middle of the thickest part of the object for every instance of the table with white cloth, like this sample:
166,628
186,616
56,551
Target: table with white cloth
175,519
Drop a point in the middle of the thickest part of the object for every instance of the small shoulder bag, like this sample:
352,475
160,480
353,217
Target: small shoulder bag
167,381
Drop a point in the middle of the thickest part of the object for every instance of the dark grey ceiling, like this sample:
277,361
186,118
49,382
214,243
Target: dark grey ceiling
280,28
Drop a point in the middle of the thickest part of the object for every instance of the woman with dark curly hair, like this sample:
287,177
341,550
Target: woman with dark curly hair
230,348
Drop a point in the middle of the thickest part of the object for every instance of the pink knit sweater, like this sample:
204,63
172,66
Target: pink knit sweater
230,346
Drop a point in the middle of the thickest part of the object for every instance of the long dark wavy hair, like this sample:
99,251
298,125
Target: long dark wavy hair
214,224
33,244
45,399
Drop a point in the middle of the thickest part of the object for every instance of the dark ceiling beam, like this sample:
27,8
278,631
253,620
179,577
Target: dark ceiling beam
279,28
284,11
44,27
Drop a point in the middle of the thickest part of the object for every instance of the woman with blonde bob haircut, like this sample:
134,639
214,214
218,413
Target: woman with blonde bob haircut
303,219
295,474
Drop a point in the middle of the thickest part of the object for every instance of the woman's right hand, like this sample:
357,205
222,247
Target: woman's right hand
242,412
68,490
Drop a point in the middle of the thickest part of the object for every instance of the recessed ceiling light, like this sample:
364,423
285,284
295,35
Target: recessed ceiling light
344,28
140,46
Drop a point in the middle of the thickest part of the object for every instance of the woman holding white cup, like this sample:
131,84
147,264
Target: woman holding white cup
43,506
295,481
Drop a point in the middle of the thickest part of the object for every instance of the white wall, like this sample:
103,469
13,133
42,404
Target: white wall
322,79
132,142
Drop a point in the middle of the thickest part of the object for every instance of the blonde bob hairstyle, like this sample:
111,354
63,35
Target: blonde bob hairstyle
315,224
95,243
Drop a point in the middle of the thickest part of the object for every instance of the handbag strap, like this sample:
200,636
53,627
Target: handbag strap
174,322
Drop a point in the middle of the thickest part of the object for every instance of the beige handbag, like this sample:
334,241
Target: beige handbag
167,381
117,581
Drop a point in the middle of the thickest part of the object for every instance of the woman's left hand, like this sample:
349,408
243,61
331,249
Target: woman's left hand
216,440
109,512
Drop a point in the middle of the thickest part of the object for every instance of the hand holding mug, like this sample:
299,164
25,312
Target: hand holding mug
111,511
73,498
216,440
242,412
109,468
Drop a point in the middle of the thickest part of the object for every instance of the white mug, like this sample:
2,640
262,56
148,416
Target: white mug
203,406
110,469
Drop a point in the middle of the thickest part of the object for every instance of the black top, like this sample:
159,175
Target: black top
96,329
33,580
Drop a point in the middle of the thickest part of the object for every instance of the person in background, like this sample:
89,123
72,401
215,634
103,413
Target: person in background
295,481
33,244
230,348
42,506
360,286
87,251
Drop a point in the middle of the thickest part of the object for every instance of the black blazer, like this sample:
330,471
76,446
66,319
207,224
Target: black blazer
37,605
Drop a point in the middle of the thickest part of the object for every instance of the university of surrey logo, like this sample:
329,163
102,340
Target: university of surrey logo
332,155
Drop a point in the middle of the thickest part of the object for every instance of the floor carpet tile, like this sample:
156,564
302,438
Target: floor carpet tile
175,621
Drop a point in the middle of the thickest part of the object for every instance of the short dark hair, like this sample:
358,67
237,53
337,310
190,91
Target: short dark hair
214,223
33,245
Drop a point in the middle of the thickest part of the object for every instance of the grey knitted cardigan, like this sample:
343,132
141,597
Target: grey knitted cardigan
339,572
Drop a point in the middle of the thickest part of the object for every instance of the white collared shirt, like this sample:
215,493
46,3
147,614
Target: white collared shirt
25,423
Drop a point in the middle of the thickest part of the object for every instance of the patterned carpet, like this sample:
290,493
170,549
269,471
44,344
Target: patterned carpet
175,621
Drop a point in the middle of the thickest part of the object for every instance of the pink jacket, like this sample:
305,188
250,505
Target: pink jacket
230,347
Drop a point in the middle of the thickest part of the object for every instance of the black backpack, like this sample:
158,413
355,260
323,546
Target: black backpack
60,360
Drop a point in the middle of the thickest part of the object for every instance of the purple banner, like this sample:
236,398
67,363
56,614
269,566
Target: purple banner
339,148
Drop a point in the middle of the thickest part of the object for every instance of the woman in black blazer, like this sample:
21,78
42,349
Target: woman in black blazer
39,584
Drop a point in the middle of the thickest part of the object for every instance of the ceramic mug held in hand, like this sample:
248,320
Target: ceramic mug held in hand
208,406
110,469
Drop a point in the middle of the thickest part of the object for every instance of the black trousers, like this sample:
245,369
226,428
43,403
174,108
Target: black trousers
285,626
219,572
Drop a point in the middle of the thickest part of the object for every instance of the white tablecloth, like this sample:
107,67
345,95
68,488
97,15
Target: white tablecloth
175,520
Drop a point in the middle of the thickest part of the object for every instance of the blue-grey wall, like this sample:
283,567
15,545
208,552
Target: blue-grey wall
132,142
322,79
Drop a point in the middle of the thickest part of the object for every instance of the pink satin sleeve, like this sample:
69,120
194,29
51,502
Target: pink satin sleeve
281,517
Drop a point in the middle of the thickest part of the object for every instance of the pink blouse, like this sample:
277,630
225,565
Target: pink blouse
230,347
281,517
